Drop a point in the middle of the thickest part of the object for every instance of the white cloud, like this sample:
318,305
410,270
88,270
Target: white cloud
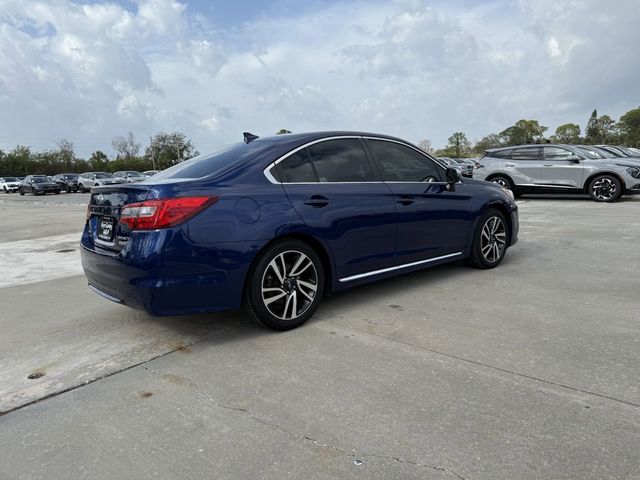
88,72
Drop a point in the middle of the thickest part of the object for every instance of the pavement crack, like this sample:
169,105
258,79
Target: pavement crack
295,436
115,372
504,370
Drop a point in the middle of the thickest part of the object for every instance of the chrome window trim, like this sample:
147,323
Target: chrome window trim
269,176
397,267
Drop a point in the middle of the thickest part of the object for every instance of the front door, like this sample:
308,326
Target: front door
561,168
433,222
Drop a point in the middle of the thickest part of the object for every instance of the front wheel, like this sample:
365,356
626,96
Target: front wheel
605,188
285,285
21,191
490,240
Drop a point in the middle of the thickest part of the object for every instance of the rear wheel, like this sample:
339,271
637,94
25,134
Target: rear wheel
285,285
490,240
605,188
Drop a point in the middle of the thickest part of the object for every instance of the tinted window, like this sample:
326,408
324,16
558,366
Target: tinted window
500,154
205,165
341,161
557,153
102,175
296,168
527,153
403,164
9,179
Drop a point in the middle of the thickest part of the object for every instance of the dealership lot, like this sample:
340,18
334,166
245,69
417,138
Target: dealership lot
529,370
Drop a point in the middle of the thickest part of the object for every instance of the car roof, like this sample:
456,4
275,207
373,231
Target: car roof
310,136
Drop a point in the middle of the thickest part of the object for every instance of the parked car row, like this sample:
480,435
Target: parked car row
70,182
602,171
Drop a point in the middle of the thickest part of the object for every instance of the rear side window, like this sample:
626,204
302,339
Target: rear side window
500,154
526,153
296,168
400,163
341,160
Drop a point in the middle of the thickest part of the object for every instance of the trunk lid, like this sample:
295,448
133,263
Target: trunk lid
104,213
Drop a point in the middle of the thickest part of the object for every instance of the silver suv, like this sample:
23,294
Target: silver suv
560,169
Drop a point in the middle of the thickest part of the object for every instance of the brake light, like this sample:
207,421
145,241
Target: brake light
152,214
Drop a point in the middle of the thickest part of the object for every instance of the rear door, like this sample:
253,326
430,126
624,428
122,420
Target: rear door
336,191
561,168
526,163
432,221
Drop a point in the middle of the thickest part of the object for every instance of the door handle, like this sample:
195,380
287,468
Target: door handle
547,165
405,200
317,201
509,164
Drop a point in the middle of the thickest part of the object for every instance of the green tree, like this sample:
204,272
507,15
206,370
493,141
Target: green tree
629,127
168,149
459,145
524,131
568,133
592,132
283,131
98,162
607,129
488,141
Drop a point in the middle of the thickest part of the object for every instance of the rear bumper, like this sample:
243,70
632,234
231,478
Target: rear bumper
158,272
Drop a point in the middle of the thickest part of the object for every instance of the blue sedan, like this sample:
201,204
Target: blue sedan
274,224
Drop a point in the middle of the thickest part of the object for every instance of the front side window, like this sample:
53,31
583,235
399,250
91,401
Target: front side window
341,160
296,168
526,153
557,153
400,163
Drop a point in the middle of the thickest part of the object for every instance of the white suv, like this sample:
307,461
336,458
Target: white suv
9,184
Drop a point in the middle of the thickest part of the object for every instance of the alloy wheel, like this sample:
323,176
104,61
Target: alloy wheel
289,285
493,239
604,188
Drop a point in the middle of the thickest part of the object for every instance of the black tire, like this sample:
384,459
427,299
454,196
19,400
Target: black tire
81,188
21,191
503,181
605,188
68,189
493,242
262,274
57,192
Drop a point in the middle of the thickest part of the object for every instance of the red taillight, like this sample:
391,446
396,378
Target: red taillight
152,214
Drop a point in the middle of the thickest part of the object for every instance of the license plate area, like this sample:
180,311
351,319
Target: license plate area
106,229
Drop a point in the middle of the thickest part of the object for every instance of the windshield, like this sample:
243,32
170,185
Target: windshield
70,177
40,179
103,175
134,174
10,179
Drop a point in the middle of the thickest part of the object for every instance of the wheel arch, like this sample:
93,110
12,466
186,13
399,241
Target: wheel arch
310,240
496,205
588,181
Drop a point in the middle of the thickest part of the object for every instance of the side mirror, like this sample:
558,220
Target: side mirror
453,177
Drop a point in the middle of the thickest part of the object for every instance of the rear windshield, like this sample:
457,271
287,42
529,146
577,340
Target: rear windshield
208,164
9,179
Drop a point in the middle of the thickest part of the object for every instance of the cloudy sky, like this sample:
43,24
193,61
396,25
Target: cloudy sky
89,70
